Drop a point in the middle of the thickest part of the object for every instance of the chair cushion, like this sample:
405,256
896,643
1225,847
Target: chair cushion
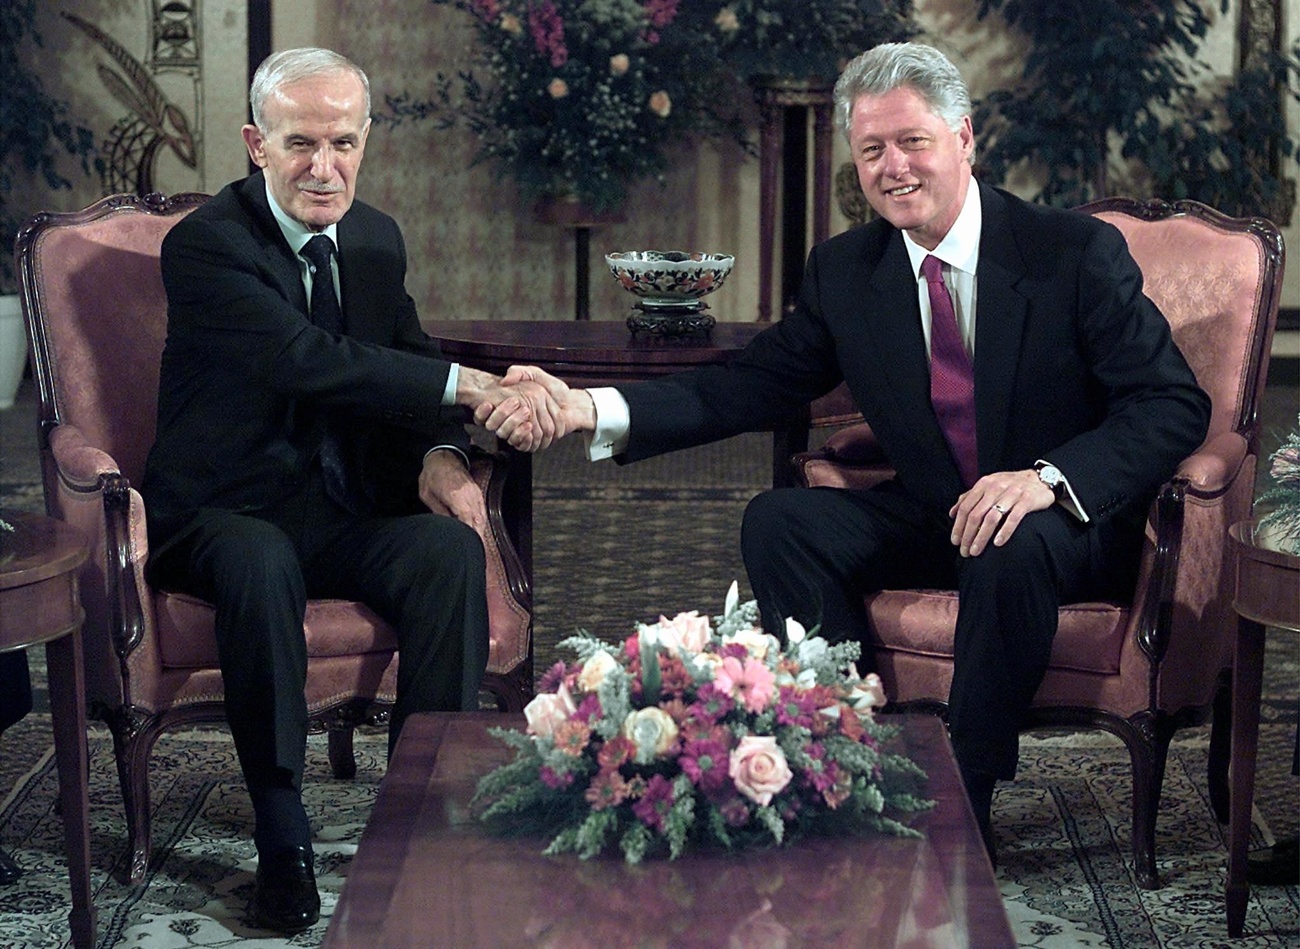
333,627
923,621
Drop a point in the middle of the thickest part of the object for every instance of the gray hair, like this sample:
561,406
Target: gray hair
888,66
293,65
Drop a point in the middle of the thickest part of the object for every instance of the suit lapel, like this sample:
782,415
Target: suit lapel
895,326
277,255
1001,310
354,278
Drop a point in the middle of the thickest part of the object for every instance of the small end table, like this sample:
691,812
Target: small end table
1268,594
39,604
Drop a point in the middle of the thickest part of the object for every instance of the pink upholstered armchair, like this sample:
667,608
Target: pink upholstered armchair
1145,668
96,319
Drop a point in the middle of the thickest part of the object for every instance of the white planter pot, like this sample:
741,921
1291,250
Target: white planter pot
13,348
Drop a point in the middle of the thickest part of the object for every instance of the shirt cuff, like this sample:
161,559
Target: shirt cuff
453,380
613,422
1069,500
463,457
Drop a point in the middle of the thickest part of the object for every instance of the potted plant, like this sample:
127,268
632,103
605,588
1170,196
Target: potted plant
34,130
766,41
1113,89
578,100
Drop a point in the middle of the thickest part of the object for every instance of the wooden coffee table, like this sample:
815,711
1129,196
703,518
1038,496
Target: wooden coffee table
426,874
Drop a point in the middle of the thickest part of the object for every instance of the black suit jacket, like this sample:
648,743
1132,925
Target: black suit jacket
246,377
1072,362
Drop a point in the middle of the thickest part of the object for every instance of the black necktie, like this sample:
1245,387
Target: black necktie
328,315
325,310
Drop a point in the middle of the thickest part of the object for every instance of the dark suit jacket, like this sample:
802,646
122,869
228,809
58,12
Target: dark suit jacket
246,377
1073,363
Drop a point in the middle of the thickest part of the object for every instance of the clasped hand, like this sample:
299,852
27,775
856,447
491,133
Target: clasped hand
532,408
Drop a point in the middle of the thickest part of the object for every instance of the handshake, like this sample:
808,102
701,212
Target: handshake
527,408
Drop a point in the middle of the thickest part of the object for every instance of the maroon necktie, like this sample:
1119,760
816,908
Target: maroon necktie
952,377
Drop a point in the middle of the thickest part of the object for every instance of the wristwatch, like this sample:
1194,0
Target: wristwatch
1051,476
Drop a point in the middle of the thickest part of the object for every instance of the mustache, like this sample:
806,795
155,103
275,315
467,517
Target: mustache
321,187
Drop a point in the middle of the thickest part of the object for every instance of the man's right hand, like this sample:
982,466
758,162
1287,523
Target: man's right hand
574,410
524,411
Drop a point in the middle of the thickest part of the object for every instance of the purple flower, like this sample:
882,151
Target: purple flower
705,763
655,803
547,29
796,707
554,779
711,704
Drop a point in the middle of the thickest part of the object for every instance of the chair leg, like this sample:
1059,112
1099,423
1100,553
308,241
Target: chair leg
1148,747
132,744
343,763
1220,751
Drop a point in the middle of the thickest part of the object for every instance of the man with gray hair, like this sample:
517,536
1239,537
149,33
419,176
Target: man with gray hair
307,432
1028,395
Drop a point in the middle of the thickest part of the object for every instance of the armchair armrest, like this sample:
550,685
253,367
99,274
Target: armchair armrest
851,458
1215,466
86,488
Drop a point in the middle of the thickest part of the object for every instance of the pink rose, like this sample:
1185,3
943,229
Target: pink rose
758,768
684,633
558,88
619,64
661,104
547,710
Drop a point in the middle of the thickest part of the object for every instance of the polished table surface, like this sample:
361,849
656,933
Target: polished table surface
39,603
599,352
1267,594
426,873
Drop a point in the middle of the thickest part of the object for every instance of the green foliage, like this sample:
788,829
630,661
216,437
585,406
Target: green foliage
34,126
584,98
803,39
1107,78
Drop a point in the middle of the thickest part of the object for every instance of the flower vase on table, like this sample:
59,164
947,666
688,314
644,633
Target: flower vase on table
698,733
569,212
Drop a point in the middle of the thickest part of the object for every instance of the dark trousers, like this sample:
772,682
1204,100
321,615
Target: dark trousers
813,554
424,574
15,688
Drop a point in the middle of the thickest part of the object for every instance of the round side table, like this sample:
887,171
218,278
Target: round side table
1268,594
39,604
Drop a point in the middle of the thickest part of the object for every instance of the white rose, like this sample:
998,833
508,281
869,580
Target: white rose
594,671
756,642
652,730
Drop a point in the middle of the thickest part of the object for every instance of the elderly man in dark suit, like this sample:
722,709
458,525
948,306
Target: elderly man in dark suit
303,417
1027,393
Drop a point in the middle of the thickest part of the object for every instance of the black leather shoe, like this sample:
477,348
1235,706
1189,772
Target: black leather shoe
9,871
285,898
1278,865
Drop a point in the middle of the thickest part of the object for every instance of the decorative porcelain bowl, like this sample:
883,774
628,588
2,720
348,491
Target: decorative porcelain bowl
669,279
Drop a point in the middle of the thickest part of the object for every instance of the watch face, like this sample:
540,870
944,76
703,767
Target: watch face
1050,475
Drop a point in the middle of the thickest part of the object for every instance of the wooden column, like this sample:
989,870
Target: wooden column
784,105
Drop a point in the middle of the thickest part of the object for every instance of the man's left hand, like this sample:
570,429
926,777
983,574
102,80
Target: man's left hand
447,488
994,507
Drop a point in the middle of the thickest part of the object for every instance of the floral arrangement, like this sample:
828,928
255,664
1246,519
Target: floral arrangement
805,39
705,733
582,97
1282,521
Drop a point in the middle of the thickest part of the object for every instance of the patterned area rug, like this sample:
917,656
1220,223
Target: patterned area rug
612,546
